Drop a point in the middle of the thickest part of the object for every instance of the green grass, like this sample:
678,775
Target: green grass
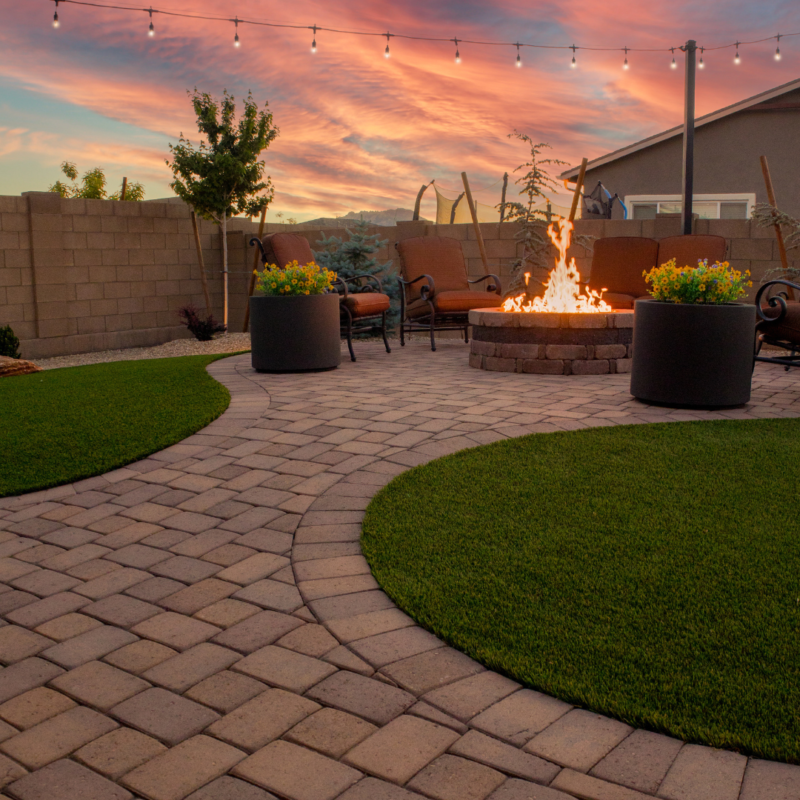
62,425
649,572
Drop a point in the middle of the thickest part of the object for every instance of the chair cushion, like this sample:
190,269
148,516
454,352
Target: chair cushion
789,328
456,302
618,263
283,248
688,250
367,304
437,256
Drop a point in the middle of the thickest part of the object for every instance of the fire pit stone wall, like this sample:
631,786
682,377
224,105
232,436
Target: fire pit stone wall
552,344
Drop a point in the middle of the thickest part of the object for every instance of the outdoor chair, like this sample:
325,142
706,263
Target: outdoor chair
363,306
435,292
778,323
619,261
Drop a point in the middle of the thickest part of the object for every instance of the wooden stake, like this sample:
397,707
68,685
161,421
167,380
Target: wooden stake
124,188
503,197
252,284
419,200
774,204
475,224
200,261
578,190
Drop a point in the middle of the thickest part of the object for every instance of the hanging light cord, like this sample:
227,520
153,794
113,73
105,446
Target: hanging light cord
186,15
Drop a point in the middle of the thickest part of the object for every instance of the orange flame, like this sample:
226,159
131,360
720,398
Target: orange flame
563,289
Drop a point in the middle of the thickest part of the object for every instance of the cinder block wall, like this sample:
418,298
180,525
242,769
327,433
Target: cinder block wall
85,275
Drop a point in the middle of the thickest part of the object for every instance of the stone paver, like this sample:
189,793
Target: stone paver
213,601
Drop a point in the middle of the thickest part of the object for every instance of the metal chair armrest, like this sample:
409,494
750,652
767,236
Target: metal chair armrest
425,292
356,280
256,241
343,293
492,287
776,301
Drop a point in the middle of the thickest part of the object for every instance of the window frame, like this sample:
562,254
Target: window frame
632,200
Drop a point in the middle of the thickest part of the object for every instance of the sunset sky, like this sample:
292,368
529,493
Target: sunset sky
359,131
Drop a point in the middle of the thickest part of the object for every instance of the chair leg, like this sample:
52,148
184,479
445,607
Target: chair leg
466,334
433,328
350,334
383,331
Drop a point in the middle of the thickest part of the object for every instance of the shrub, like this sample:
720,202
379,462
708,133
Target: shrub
294,279
701,284
9,344
202,328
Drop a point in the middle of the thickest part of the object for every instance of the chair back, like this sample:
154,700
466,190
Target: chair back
283,248
437,256
618,263
689,249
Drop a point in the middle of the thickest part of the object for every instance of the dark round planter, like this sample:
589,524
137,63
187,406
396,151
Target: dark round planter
692,356
295,334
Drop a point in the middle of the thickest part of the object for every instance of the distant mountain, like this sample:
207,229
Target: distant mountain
385,218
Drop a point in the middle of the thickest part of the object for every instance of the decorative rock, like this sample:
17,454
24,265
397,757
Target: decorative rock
16,366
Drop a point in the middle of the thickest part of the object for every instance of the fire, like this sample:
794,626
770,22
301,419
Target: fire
563,290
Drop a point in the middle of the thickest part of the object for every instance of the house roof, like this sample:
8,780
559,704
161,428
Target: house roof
572,174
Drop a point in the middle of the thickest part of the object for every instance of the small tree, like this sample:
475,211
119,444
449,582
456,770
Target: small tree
534,184
223,176
355,257
767,216
92,185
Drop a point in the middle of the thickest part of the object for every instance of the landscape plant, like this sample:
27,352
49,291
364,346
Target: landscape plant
92,185
294,280
766,216
701,284
202,327
223,175
9,343
355,256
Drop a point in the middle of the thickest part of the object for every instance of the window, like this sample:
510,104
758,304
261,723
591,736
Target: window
706,206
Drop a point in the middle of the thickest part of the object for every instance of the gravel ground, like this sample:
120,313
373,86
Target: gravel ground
227,343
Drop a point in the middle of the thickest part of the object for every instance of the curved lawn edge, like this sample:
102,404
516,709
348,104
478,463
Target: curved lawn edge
413,596
89,420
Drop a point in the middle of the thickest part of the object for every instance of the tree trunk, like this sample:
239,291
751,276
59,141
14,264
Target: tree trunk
224,230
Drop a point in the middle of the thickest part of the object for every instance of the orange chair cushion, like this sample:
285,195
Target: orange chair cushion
787,330
688,250
437,256
457,302
367,304
618,263
283,248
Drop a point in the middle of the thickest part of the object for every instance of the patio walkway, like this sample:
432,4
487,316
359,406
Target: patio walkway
202,623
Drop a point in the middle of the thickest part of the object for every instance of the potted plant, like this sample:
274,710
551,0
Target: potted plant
693,344
294,319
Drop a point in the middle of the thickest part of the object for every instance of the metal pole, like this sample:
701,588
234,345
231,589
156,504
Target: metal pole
687,191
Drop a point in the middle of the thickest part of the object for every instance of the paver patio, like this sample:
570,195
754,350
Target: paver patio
202,623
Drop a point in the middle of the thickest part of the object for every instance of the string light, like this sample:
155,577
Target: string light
518,45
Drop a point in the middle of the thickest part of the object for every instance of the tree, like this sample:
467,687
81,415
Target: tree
92,185
354,257
223,176
534,184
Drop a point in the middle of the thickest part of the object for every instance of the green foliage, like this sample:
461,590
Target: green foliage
294,280
766,216
9,344
534,184
631,570
223,176
92,185
355,257
701,284
81,421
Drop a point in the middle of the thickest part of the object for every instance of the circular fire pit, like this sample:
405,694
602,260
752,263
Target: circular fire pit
551,344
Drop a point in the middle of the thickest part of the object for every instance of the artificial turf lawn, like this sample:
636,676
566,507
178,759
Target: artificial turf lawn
651,573
61,425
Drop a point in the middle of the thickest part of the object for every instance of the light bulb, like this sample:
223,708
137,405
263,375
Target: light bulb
314,46
458,57
701,65
626,65
519,60
736,59
236,42
151,32
673,65
56,23
386,52
574,63
777,54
